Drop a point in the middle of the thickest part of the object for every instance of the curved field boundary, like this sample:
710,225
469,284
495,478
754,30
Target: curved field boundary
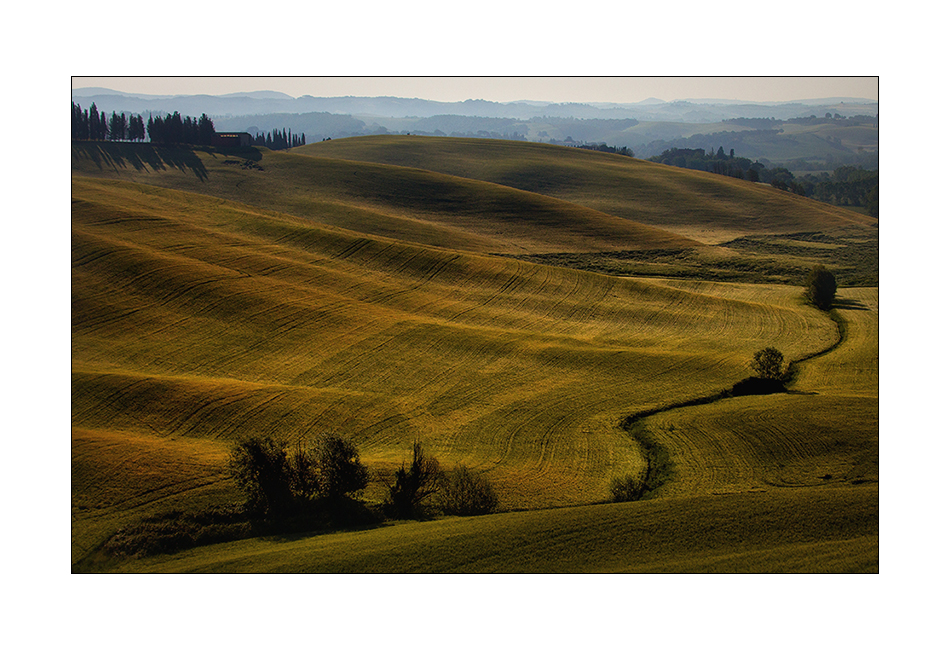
804,437
199,318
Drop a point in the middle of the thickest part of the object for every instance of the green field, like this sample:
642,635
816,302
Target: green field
402,289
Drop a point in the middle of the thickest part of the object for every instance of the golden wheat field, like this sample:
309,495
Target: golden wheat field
376,299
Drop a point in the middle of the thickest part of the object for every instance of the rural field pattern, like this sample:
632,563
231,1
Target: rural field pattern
378,289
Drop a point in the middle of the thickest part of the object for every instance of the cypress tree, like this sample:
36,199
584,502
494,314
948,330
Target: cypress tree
205,130
93,122
84,126
820,287
76,120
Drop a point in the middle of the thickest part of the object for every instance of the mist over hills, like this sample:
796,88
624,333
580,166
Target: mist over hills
262,102
647,128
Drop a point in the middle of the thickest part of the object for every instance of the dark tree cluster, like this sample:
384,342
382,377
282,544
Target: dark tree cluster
854,120
754,122
846,185
772,123
173,129
90,124
717,163
281,481
424,485
623,151
280,139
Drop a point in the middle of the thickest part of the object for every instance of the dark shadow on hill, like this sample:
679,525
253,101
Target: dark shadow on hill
758,260
849,304
756,386
141,156
176,530
246,153
855,258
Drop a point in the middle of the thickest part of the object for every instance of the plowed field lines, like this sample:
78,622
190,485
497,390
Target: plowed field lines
823,433
212,322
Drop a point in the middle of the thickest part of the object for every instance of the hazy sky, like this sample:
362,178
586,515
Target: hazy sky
502,89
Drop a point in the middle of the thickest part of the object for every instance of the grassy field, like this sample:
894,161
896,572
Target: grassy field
708,208
368,299
540,203
833,531
409,204
823,433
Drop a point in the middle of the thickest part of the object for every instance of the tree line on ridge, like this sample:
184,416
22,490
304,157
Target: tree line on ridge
847,185
91,124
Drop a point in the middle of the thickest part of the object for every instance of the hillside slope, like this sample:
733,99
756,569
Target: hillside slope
413,205
216,295
697,205
196,321
793,531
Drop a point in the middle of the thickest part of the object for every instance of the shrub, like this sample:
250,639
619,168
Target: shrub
261,469
463,492
340,469
768,364
176,530
820,287
413,486
277,483
626,488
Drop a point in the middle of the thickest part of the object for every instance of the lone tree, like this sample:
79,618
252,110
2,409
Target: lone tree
414,485
820,287
769,364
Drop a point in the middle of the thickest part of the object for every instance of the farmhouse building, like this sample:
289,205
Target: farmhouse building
232,139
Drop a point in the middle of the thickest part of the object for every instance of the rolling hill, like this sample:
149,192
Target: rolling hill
699,206
834,531
414,205
212,299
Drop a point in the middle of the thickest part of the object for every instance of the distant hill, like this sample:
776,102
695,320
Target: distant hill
647,128
563,206
402,202
262,102
673,199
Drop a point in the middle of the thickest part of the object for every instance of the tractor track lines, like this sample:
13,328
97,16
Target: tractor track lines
506,365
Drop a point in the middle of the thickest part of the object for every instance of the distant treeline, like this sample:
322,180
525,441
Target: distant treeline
623,151
718,163
772,123
280,139
847,185
172,129
90,124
